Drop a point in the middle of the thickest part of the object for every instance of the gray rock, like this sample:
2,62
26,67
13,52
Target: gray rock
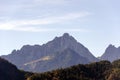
30,53
111,53
62,59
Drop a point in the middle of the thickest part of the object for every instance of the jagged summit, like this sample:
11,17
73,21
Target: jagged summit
30,53
66,35
111,53
111,46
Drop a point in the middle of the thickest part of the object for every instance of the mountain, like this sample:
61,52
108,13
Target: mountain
9,72
111,53
62,59
35,53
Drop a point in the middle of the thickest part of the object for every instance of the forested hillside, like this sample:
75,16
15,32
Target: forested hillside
103,70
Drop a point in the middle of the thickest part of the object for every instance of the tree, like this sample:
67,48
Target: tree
115,75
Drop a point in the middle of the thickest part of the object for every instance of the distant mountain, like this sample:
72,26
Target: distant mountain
36,53
62,59
9,72
111,53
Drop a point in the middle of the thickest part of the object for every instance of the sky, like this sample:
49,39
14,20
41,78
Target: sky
93,23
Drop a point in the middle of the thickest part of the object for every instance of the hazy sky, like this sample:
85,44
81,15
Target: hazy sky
94,23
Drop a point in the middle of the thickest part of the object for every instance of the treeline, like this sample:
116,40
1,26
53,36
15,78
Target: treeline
103,70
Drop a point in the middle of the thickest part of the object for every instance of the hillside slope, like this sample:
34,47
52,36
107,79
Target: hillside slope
9,72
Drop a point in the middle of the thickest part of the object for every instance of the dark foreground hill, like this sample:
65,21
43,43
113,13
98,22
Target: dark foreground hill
9,72
103,70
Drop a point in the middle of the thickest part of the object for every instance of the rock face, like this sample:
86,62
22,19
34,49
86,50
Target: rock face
62,59
111,53
36,53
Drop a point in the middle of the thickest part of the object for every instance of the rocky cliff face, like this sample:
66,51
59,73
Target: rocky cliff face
111,53
62,59
30,53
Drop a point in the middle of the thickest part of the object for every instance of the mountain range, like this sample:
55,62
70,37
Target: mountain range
61,52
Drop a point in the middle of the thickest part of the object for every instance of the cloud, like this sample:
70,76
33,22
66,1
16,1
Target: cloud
22,25
6,26
49,1
57,19
33,29
50,19
38,29
11,27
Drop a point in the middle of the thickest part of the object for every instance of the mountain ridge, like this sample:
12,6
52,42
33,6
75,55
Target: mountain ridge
62,59
30,53
111,53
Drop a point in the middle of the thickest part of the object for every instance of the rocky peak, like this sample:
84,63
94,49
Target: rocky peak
66,35
67,38
63,40
110,49
111,53
111,46
30,53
